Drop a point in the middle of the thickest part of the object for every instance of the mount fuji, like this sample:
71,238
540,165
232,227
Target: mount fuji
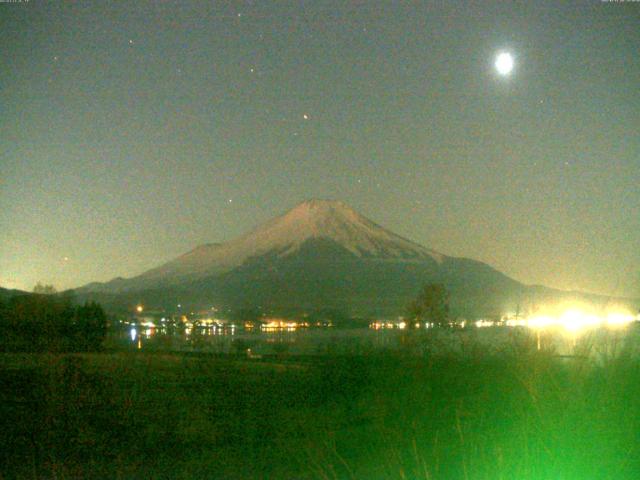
320,255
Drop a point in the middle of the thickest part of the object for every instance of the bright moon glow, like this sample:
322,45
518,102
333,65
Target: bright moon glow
504,63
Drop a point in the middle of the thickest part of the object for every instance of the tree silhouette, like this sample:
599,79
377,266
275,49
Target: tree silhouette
44,289
431,305
50,323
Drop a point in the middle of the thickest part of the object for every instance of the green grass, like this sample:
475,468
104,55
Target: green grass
517,414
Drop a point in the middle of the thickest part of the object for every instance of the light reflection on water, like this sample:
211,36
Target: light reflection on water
350,341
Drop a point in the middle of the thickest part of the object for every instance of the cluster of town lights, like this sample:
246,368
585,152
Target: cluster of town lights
572,320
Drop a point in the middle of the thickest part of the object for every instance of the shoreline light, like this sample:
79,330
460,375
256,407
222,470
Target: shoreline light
575,319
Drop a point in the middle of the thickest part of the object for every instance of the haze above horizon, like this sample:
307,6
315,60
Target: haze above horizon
135,131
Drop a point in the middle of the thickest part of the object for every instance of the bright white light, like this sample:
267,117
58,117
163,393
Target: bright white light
574,320
619,319
515,322
504,63
483,323
540,322
571,320
133,334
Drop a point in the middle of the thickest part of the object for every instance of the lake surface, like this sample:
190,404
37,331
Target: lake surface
600,342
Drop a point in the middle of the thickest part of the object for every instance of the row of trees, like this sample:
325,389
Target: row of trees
51,323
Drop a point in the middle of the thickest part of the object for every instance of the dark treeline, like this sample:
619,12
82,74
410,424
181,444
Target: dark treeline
50,323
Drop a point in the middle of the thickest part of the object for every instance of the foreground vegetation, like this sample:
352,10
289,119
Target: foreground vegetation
50,323
517,414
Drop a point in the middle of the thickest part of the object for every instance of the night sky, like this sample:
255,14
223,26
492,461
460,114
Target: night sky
130,132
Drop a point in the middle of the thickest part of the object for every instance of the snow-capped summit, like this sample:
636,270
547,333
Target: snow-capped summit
332,220
284,235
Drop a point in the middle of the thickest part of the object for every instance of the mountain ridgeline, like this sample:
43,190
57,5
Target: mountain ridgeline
321,255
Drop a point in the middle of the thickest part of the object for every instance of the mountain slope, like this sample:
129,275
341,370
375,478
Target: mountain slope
320,255
6,294
282,236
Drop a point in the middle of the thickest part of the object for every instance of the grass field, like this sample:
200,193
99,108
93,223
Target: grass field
517,414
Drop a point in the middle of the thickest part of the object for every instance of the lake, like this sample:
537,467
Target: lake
598,342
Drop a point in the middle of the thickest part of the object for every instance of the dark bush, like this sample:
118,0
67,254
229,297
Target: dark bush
46,323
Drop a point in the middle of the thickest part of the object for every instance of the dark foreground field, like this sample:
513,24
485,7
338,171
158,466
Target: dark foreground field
517,414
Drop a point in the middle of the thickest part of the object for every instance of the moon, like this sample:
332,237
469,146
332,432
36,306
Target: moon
504,63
